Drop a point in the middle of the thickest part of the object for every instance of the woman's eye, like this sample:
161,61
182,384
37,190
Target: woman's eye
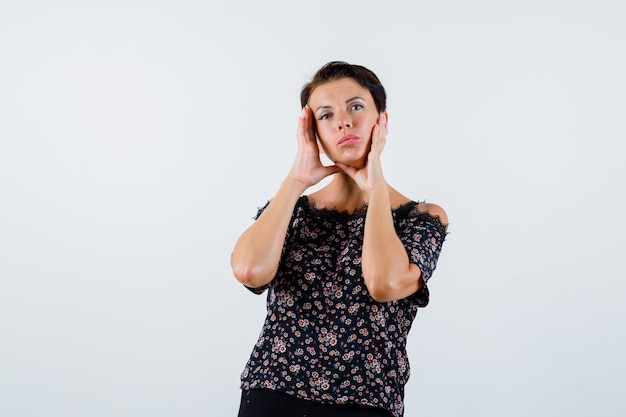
324,116
356,107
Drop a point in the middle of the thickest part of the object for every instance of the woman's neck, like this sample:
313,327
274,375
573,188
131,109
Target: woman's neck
342,194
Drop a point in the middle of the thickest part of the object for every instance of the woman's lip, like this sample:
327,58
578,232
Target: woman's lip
347,139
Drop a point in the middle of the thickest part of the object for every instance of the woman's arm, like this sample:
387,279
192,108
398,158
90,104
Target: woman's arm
388,273
258,250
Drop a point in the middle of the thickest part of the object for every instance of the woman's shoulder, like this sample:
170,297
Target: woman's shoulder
434,210
399,200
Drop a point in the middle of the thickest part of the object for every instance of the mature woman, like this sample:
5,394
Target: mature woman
346,267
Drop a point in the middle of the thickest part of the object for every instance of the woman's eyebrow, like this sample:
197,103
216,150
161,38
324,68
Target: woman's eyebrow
327,106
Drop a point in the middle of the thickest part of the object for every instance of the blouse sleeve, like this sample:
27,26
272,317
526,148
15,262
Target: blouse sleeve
422,236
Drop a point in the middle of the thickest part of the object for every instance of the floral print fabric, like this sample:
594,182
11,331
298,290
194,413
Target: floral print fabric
325,338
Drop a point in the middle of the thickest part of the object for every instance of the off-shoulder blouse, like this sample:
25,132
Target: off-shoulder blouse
325,338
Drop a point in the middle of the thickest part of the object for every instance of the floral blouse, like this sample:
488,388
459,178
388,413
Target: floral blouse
325,338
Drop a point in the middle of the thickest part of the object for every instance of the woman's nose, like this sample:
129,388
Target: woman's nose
344,122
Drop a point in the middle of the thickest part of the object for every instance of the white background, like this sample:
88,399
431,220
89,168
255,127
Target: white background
137,139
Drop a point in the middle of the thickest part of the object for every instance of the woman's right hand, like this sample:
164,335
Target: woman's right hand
307,168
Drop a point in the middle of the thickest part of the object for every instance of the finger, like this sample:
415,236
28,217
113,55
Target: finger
379,135
308,123
330,170
351,171
377,140
382,125
306,139
300,131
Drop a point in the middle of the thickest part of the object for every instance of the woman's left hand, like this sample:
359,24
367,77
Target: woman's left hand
370,176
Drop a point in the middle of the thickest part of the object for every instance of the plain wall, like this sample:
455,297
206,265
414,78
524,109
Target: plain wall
137,139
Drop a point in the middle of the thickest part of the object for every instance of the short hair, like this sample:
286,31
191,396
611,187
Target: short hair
336,70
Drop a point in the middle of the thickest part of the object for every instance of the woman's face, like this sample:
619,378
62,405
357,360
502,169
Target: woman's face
345,114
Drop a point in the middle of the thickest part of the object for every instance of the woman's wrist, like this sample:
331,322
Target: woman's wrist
378,192
293,186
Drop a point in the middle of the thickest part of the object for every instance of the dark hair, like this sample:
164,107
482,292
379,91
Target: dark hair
336,70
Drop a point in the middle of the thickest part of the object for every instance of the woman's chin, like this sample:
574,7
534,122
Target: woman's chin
358,164
351,162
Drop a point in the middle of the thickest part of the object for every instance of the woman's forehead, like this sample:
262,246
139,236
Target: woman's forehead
344,89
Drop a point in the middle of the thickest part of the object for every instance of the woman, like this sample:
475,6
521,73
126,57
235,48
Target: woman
346,266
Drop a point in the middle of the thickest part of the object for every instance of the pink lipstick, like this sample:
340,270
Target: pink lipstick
347,140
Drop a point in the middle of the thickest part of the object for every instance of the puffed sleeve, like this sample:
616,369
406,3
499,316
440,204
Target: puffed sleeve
422,236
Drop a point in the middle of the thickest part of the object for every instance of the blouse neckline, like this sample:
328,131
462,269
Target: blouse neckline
360,211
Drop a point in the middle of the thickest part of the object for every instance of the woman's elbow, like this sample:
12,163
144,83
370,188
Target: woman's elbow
250,275
379,290
384,289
